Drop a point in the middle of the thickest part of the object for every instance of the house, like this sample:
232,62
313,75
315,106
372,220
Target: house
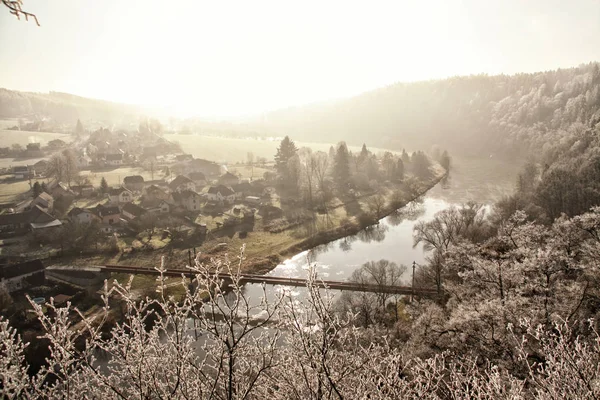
20,222
44,227
242,189
83,190
184,157
132,211
220,193
44,200
188,199
157,206
182,183
229,179
154,193
208,168
119,195
108,214
114,159
40,167
198,178
82,215
22,172
270,212
60,189
83,161
23,275
134,183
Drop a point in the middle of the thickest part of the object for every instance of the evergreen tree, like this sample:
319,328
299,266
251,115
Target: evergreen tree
103,186
364,153
341,167
445,160
421,165
400,169
287,149
405,156
79,128
37,189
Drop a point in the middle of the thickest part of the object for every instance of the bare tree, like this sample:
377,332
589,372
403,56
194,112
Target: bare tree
15,8
376,204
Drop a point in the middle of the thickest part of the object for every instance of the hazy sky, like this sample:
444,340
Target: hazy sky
223,57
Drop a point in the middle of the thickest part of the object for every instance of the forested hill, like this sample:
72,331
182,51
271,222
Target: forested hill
476,113
64,108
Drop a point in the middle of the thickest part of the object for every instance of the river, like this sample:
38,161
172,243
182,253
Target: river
483,180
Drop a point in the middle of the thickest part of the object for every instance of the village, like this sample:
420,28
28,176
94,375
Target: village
135,198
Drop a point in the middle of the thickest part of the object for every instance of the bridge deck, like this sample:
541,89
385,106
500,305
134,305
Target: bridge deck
276,280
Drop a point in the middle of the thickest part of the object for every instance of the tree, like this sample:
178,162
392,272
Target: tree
70,165
445,160
36,189
376,204
103,186
420,164
250,158
79,130
14,7
286,150
400,169
341,167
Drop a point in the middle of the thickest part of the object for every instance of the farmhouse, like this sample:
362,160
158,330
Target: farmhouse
119,195
21,276
114,159
198,178
134,182
132,211
229,179
188,199
44,200
220,193
21,172
182,183
82,216
108,214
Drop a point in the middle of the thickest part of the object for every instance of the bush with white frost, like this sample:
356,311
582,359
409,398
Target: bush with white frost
216,343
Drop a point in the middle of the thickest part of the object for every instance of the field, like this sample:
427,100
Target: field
114,177
228,150
7,137
10,191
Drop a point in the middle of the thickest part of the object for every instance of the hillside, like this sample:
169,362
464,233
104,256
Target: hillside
465,114
64,108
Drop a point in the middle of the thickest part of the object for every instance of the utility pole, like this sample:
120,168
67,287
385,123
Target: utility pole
413,282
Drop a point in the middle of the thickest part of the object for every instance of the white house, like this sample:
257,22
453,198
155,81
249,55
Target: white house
181,183
188,199
161,208
21,172
21,276
82,216
83,161
220,193
119,195
114,159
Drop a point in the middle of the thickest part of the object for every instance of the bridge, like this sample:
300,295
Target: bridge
64,272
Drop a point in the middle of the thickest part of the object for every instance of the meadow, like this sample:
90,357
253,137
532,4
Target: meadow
230,150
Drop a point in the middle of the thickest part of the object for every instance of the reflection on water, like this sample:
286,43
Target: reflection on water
484,181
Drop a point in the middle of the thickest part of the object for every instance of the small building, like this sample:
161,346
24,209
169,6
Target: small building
155,193
242,189
134,183
22,172
23,275
60,189
184,157
114,159
83,190
40,167
44,227
132,211
158,207
229,179
208,168
108,214
254,200
82,216
188,199
220,193
181,183
83,162
119,195
198,178
45,201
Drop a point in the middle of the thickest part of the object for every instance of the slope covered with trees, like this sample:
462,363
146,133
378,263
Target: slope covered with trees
465,114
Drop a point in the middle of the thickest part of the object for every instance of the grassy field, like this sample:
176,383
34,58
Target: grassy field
7,137
10,191
227,150
114,177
